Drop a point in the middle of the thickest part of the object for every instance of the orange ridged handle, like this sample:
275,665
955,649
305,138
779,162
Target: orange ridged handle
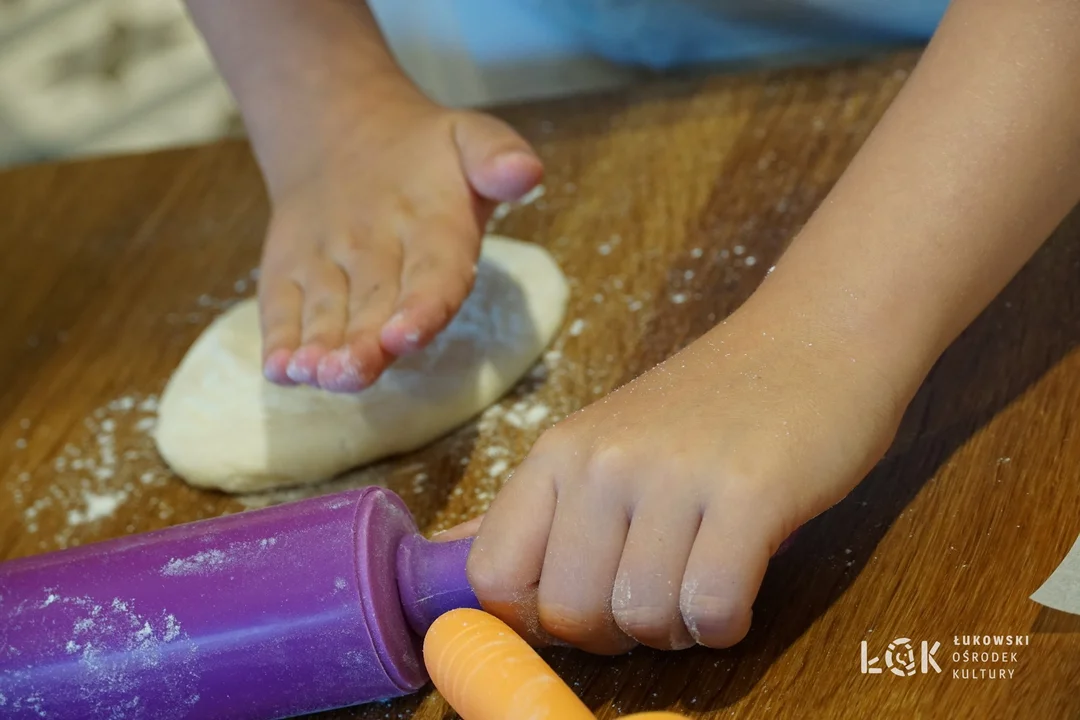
487,672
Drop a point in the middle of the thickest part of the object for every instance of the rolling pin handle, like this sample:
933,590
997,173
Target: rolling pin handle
432,579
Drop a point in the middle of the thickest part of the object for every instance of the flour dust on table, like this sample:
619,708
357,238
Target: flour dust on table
222,425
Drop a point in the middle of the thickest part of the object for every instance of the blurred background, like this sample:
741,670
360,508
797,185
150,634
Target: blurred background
86,77
81,77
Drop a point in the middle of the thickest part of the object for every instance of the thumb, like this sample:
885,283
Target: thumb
498,162
458,532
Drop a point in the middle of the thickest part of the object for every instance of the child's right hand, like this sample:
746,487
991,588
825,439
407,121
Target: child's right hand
372,249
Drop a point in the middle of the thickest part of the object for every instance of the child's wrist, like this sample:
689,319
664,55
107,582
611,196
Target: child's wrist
859,338
319,133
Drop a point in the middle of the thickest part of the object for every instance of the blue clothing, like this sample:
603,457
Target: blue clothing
665,33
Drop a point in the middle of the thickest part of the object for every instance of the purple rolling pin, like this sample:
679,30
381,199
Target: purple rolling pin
309,606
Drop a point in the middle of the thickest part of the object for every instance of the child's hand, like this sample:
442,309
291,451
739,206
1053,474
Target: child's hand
372,250
650,516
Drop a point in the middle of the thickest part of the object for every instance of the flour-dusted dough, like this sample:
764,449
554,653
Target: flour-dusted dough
221,425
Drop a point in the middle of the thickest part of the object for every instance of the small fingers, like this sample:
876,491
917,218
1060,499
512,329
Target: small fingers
437,274
280,302
372,272
469,528
322,322
723,574
586,543
507,556
645,601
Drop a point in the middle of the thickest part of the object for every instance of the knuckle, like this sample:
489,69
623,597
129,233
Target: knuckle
610,463
322,304
552,441
485,576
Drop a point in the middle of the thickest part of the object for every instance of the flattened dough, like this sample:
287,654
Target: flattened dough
221,425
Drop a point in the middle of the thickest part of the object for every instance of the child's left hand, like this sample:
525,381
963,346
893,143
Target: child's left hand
650,516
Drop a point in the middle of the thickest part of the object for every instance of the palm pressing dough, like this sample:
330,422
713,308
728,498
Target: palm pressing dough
222,425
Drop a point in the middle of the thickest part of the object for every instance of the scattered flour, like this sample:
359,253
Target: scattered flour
112,645
96,507
210,306
532,196
576,327
503,209
524,415
196,564
90,478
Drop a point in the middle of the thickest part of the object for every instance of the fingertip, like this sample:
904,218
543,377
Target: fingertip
467,529
715,621
340,372
303,368
510,175
499,163
275,367
403,334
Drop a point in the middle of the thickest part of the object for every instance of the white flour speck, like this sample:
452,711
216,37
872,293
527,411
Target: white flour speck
498,468
678,298
97,506
172,628
92,476
194,564
576,327
522,415
750,261
696,252
532,196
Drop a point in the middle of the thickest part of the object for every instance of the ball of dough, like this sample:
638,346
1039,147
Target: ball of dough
222,425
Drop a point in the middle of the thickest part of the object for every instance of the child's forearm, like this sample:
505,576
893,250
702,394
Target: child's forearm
303,72
970,170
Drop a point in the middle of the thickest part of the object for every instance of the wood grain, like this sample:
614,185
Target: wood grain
665,204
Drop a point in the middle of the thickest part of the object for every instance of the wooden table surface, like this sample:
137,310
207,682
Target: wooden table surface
665,205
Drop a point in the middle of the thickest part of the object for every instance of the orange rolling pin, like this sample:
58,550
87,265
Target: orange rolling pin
487,672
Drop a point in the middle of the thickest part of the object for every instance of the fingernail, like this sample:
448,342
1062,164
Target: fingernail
273,370
516,155
682,644
341,372
299,374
